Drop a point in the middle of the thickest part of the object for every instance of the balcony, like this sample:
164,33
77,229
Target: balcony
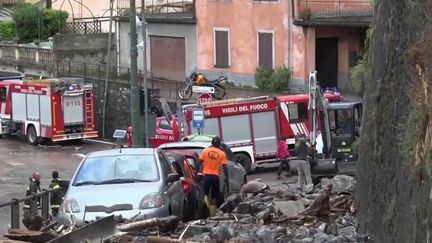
333,12
160,9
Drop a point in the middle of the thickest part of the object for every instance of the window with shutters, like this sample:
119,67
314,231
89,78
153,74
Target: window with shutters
221,48
265,49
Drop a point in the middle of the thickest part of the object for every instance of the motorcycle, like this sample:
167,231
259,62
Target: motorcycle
198,79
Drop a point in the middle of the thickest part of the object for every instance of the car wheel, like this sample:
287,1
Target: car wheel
245,161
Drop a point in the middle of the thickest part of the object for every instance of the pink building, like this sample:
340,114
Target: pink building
236,37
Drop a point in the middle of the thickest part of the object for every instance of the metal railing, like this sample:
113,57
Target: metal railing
158,6
82,27
45,59
332,8
14,205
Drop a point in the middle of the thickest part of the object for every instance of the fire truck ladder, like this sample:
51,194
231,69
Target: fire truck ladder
89,110
234,101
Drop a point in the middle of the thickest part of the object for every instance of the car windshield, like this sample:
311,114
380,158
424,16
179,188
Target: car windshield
117,169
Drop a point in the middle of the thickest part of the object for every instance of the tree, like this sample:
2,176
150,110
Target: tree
32,23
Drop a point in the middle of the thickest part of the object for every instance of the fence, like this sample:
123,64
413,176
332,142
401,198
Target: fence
45,59
158,6
26,55
14,205
333,8
83,27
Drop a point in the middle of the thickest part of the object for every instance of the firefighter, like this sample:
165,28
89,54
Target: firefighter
56,196
32,189
283,155
302,164
211,159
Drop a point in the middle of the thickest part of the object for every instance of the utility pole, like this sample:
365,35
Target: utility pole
107,70
146,117
135,112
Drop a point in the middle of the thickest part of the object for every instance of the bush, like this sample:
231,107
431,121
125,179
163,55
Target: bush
268,79
32,23
7,30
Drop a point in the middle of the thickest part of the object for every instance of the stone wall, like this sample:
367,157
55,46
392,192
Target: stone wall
89,48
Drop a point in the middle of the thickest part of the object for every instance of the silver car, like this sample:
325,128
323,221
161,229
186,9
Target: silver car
131,182
236,172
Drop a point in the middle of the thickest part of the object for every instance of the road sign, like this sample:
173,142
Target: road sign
198,118
203,89
203,98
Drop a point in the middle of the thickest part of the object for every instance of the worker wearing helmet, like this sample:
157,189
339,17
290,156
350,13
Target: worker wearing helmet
211,159
32,189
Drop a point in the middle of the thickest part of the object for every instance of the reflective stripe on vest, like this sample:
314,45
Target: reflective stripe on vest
55,206
56,186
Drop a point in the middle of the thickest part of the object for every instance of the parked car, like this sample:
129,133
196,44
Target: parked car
194,207
236,172
128,182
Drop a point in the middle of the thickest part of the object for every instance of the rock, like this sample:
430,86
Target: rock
220,233
257,207
350,230
302,233
194,230
343,183
266,234
231,202
321,237
331,229
289,208
205,237
244,208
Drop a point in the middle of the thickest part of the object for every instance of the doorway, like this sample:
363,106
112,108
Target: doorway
326,61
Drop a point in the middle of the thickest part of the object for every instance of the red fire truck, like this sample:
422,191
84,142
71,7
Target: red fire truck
53,109
250,126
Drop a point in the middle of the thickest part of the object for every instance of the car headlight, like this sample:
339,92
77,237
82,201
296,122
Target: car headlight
152,200
70,205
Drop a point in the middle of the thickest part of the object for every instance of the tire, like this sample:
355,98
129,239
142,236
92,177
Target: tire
185,92
219,92
245,161
31,136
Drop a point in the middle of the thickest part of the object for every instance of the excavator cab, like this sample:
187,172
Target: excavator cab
345,124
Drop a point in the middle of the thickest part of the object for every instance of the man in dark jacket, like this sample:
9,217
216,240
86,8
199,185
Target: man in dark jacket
56,196
32,189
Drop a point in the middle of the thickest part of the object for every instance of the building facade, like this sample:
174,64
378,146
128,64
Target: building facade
237,37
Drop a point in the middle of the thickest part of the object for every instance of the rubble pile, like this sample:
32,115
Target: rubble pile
285,215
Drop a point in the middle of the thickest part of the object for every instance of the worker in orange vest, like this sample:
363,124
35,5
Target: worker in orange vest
211,160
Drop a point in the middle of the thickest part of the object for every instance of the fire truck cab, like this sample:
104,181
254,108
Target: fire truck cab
53,109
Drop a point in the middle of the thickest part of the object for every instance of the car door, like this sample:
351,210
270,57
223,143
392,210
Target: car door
174,190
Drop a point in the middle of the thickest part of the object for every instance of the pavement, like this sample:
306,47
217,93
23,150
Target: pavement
18,161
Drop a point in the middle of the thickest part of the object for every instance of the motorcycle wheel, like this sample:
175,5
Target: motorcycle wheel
185,92
219,92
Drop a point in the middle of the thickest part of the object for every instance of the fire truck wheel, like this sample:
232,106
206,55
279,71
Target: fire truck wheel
245,161
31,135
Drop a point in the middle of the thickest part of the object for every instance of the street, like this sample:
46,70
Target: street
18,161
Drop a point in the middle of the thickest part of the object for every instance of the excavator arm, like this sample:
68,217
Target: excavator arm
318,108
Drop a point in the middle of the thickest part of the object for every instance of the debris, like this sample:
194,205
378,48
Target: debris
289,208
350,230
343,184
220,233
253,187
29,235
166,224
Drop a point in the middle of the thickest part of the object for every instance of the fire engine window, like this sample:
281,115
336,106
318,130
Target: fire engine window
236,128
211,126
298,112
164,124
3,94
